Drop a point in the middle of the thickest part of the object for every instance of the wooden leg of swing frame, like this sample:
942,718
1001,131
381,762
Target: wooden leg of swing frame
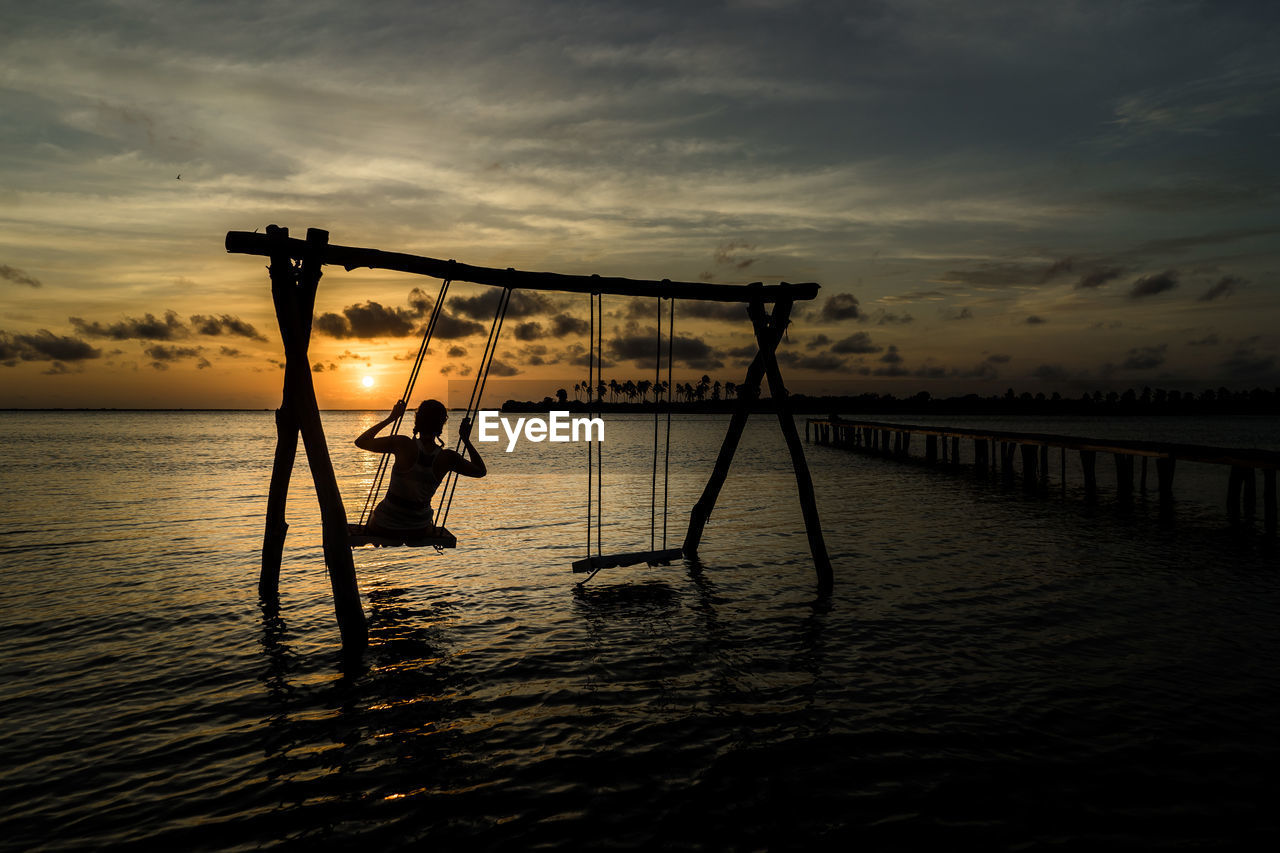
290,301
748,392
804,481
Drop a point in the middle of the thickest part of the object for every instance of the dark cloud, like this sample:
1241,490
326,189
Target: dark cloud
744,351
692,309
367,320
162,355
1145,358
449,327
146,328
1226,286
982,370
999,358
17,276
1246,361
989,276
818,341
1057,268
1050,373
483,306
348,354
857,343
1213,238
498,367
639,348
1035,320
823,361
320,367
733,254
529,331
884,318
456,352
841,306
564,325
892,356
225,324
962,313
1095,278
1150,285
891,370
232,352
43,346
930,371
1208,340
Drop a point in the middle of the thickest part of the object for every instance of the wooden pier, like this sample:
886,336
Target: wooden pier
995,452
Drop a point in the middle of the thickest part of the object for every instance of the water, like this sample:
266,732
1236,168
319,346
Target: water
993,670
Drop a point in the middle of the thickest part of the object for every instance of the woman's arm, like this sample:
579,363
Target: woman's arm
473,467
368,440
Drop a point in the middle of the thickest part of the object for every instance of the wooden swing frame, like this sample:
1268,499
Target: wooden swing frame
295,271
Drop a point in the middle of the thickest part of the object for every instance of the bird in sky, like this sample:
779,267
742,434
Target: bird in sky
179,177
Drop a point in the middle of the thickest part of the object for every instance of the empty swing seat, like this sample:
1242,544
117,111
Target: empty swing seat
357,535
634,558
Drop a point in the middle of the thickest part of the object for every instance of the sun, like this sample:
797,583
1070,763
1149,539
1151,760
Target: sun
367,382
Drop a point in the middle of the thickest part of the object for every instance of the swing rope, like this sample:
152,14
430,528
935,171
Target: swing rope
666,463
473,405
376,486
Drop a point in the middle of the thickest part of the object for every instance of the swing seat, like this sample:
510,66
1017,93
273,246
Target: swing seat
357,535
634,558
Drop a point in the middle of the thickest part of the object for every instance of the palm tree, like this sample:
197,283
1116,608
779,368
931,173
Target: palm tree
629,390
614,388
730,390
715,390
704,385
643,387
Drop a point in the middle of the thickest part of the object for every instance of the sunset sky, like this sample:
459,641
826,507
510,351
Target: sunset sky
1045,196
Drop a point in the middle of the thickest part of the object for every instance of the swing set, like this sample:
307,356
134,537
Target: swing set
295,271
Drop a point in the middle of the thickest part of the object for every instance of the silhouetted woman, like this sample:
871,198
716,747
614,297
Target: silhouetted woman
421,464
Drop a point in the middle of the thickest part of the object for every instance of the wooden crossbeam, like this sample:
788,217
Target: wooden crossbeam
351,257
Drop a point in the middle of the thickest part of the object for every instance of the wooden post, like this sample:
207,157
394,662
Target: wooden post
748,392
294,297
931,449
1269,500
1142,479
1124,476
769,331
1087,460
1235,482
1008,450
277,498
1250,492
906,443
980,456
1029,454
1164,479
955,450
1044,463
1062,472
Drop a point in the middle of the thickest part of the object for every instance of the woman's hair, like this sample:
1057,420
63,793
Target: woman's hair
430,419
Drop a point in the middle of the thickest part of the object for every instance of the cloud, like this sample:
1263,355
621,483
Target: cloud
449,327
1226,286
17,276
1095,278
695,309
892,356
998,358
1145,358
1208,340
225,324
564,325
498,367
1150,285
962,313
841,306
824,361
483,306
456,352
162,355
43,346
1057,268
320,367
146,328
640,349
885,318
1035,320
1246,361
858,342
367,320
530,331
1050,373
817,341
731,254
